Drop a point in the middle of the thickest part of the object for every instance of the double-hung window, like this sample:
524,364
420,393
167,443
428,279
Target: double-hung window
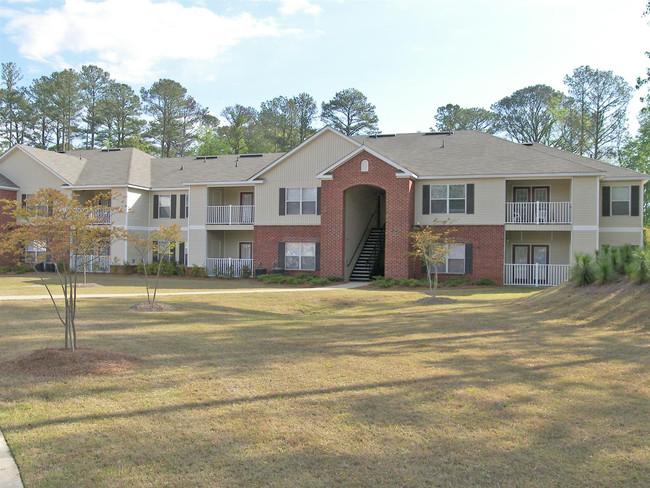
620,200
300,256
164,206
446,199
455,260
301,201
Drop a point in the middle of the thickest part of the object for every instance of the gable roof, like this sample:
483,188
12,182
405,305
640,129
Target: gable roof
7,184
362,148
127,166
65,167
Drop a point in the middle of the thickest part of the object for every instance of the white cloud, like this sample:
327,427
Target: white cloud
131,38
291,7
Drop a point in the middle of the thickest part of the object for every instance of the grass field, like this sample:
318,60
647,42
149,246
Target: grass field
359,388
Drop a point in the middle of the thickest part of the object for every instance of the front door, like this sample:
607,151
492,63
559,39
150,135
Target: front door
245,250
540,193
539,255
246,200
521,255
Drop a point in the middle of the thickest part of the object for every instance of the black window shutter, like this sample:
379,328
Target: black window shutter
24,197
317,268
426,199
470,198
173,213
281,255
155,206
469,258
182,209
606,200
634,202
181,251
318,201
283,192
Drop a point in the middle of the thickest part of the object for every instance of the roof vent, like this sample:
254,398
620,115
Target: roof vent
251,155
443,133
203,158
377,136
111,149
527,143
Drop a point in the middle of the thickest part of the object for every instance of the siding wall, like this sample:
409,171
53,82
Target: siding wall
489,203
560,190
559,244
621,238
28,174
298,171
227,195
586,201
197,238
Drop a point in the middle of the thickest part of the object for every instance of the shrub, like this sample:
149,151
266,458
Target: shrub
625,255
484,282
335,278
140,268
197,272
583,272
455,281
245,272
639,269
605,271
319,281
20,269
127,268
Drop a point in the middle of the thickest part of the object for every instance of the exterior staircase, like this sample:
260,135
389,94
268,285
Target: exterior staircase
369,256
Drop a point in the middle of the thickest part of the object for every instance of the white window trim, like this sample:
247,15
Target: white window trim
464,262
300,256
431,199
301,201
628,201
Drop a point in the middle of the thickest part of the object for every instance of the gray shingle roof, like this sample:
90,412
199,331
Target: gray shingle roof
126,166
6,182
474,153
67,166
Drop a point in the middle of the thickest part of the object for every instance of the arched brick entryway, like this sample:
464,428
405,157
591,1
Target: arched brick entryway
400,200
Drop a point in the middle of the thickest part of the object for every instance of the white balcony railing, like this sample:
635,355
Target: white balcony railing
231,214
228,267
90,264
536,274
102,216
538,212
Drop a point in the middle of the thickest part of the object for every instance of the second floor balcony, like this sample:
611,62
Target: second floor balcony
538,213
231,215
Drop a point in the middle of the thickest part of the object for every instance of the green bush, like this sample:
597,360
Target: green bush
455,281
197,272
319,281
484,282
245,272
605,271
638,270
334,278
20,269
583,272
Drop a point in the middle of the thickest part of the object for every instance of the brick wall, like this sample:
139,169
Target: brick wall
400,202
487,243
266,238
4,219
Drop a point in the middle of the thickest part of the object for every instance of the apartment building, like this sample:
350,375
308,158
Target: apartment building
343,206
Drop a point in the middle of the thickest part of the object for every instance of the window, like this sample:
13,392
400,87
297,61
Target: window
455,262
448,199
300,255
620,200
301,201
164,206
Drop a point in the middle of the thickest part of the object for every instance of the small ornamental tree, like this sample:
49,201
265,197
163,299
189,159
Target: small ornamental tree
160,242
432,244
69,232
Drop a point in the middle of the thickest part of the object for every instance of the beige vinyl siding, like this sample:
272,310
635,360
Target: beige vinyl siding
489,202
584,241
28,174
559,244
621,238
225,243
119,248
197,235
227,195
560,190
586,200
138,206
622,221
298,171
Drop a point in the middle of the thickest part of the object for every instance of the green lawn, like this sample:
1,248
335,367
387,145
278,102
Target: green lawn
339,388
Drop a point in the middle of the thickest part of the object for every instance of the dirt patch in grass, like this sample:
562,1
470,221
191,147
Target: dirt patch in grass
435,300
63,362
148,307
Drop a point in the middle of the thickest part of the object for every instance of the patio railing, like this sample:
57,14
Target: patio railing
90,264
536,274
538,213
228,267
231,214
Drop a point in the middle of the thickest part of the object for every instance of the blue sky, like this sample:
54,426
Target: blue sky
407,56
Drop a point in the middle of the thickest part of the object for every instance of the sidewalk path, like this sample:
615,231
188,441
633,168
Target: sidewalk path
343,286
9,475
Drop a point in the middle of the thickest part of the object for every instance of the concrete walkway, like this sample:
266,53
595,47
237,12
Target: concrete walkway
343,286
9,475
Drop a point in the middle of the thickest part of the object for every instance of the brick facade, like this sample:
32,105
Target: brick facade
487,251
267,237
4,219
400,211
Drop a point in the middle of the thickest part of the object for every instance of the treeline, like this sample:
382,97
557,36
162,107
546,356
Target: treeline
88,109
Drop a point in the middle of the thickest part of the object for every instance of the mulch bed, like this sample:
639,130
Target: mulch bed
148,307
435,300
63,362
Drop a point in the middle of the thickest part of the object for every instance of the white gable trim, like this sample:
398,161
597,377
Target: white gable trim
17,147
325,129
9,188
625,178
344,159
